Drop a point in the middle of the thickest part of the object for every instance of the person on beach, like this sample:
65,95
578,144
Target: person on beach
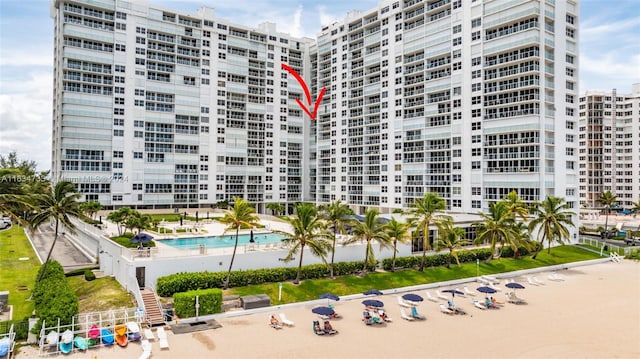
275,323
328,329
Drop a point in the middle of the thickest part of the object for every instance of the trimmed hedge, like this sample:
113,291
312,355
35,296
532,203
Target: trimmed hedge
209,301
464,256
183,282
53,297
89,276
77,272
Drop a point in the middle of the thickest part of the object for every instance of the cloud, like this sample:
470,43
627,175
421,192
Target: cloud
25,113
619,74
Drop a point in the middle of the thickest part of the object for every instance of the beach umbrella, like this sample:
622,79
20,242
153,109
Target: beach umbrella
412,297
487,290
514,285
453,292
326,311
372,292
196,216
141,238
330,296
373,303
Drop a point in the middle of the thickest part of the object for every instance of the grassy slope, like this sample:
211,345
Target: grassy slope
311,289
15,273
100,295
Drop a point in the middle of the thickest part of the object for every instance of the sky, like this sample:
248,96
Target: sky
609,53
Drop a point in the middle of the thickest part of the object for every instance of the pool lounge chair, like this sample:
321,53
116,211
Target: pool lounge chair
285,321
404,315
162,338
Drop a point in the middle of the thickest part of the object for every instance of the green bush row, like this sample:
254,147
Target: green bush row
80,271
53,297
183,282
89,275
20,327
125,241
441,259
209,302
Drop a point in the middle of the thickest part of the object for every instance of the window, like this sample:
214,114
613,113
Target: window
475,35
476,61
457,29
476,22
457,41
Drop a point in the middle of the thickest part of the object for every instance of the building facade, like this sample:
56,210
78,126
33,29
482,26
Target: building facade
610,147
467,99
154,108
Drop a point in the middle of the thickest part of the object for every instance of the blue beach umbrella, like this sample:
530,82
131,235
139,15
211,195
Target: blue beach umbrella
330,296
514,285
412,297
141,238
326,311
453,292
487,290
373,303
372,292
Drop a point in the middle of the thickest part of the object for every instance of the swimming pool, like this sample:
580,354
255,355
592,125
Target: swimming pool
222,241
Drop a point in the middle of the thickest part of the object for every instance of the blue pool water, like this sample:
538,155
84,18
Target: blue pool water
222,241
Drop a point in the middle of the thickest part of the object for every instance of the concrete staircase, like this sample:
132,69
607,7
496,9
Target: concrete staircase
152,308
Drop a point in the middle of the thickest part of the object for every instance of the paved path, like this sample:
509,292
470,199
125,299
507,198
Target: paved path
64,252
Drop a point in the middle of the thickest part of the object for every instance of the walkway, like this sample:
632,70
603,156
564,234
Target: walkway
64,252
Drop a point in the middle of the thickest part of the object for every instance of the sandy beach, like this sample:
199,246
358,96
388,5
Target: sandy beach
593,313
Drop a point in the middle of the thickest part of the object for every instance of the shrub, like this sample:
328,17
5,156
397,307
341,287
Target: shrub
438,259
53,297
88,275
80,271
183,282
209,301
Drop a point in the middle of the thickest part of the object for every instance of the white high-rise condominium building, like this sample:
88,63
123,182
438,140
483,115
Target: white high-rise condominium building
155,108
467,99
610,147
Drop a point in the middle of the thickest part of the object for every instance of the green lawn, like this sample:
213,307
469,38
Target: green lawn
100,295
311,289
17,276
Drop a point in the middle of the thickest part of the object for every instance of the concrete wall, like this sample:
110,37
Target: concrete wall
118,262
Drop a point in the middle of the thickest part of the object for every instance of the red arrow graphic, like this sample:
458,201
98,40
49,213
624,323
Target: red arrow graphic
307,94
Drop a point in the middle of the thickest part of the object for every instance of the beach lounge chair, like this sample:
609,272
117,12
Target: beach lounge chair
468,292
404,315
490,285
535,279
416,315
316,328
493,280
441,296
463,293
555,277
531,281
148,334
445,310
162,338
367,318
285,321
512,298
146,349
429,297
402,302
478,305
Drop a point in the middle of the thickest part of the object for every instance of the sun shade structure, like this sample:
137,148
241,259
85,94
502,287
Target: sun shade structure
141,238
412,297
326,311
486,290
372,292
373,303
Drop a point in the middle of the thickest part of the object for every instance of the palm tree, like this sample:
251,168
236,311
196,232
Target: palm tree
91,208
371,229
551,218
397,232
607,199
242,215
516,206
520,238
450,237
635,208
496,226
308,231
335,214
59,203
120,217
275,208
424,213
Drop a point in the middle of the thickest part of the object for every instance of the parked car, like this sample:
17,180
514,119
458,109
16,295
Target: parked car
5,222
632,241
